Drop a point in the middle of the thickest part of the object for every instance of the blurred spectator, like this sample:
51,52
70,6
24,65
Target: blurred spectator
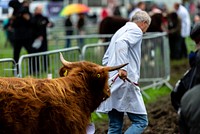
40,24
9,31
104,13
68,30
110,7
22,28
192,8
174,34
81,28
130,8
196,18
116,11
185,26
156,20
195,36
190,112
192,76
140,6
198,6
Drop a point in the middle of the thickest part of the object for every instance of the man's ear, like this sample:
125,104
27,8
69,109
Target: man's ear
63,72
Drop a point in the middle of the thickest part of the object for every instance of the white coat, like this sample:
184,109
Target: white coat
125,47
185,21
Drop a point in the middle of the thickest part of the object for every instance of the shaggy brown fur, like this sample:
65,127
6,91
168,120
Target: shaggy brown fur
53,106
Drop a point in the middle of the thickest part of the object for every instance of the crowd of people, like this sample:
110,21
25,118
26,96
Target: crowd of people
28,30
172,22
176,22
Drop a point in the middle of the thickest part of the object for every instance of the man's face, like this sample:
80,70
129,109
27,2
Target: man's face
38,10
176,6
143,6
144,26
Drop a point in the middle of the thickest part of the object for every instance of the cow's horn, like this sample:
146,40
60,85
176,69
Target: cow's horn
116,67
64,62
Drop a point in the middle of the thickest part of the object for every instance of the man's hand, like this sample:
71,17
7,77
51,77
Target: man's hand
122,74
26,16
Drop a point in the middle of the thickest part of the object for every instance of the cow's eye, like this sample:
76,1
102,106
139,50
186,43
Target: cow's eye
65,73
98,75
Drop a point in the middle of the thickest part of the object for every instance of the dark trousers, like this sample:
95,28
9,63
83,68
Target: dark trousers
184,52
68,41
18,44
175,43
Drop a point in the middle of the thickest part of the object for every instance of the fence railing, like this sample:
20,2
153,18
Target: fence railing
155,65
155,62
46,64
8,67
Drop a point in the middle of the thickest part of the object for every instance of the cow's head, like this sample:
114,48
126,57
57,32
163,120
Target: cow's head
92,76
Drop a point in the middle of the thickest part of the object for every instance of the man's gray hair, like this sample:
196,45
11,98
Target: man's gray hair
141,16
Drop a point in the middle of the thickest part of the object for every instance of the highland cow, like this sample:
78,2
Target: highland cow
54,106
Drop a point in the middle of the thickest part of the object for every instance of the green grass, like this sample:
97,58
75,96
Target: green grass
154,94
190,45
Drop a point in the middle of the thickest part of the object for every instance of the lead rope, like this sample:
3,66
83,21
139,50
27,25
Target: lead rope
113,81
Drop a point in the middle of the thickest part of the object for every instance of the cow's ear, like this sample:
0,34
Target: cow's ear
63,72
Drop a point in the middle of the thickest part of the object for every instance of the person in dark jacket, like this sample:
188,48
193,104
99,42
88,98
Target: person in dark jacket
40,24
68,30
192,76
22,29
7,27
81,28
174,34
190,112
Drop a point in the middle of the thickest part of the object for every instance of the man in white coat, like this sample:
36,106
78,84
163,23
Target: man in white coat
126,97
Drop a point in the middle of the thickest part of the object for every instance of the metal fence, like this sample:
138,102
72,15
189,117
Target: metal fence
46,64
155,63
8,67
